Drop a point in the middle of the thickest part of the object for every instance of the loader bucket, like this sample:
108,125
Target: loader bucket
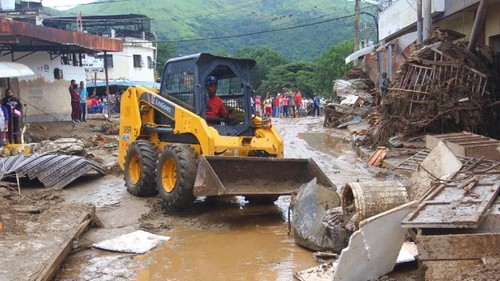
219,175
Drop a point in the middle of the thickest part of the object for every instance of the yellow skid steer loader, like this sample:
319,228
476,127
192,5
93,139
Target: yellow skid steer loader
167,146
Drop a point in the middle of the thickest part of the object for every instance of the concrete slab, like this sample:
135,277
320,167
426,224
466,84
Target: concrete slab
374,248
441,162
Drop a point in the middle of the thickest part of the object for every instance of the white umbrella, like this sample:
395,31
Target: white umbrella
14,69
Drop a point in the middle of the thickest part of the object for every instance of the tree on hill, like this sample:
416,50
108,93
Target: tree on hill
330,66
291,76
266,59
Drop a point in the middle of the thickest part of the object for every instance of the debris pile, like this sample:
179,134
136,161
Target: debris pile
442,87
450,209
457,215
356,94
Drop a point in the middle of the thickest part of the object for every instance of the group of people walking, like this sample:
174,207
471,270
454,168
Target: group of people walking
287,104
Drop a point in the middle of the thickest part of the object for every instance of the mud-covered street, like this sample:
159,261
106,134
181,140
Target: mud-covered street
227,239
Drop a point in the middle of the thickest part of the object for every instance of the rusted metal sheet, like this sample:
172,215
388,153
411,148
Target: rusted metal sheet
42,36
461,202
54,171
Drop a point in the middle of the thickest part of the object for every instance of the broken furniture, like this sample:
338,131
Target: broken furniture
467,144
458,215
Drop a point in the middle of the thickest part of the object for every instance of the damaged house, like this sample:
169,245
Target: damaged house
54,56
448,80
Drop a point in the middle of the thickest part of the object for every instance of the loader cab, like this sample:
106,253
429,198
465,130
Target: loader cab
183,84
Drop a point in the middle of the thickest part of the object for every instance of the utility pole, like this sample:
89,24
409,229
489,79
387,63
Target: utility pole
478,25
419,21
356,25
427,19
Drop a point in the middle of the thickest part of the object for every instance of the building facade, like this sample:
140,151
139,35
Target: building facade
137,60
55,56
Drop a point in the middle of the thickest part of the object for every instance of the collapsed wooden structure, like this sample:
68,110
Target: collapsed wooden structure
441,87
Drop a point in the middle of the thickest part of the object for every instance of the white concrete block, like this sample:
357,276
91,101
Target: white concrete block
374,248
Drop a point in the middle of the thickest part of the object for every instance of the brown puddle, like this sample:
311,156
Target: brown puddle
330,144
230,242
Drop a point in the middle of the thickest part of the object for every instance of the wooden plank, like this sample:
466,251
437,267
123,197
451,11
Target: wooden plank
466,144
457,246
432,140
378,156
447,269
489,151
483,142
58,257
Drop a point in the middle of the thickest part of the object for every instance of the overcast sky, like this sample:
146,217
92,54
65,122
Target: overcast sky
64,5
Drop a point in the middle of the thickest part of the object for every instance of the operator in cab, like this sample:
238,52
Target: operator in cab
215,107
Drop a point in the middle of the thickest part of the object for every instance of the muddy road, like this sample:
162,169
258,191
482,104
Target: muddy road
225,239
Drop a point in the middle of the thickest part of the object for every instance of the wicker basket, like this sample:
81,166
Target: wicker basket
366,199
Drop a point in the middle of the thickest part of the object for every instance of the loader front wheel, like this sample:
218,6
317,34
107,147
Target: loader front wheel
139,169
176,173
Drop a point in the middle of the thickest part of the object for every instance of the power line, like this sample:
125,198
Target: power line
257,32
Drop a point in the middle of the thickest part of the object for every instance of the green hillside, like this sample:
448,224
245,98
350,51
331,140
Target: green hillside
225,26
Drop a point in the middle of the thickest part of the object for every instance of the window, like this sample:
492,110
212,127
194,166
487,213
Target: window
151,63
137,61
179,88
109,60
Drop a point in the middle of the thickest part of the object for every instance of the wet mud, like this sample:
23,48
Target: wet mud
228,239
225,239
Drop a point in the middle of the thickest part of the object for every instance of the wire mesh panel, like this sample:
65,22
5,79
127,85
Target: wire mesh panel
179,88
230,90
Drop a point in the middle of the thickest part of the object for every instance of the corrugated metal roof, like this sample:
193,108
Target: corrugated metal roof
54,171
21,36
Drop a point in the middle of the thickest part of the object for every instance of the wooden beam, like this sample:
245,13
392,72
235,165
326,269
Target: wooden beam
458,246
58,257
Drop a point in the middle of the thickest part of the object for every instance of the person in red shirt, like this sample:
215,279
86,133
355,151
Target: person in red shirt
298,101
215,108
75,105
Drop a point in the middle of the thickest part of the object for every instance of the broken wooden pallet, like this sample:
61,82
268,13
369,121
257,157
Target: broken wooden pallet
458,203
